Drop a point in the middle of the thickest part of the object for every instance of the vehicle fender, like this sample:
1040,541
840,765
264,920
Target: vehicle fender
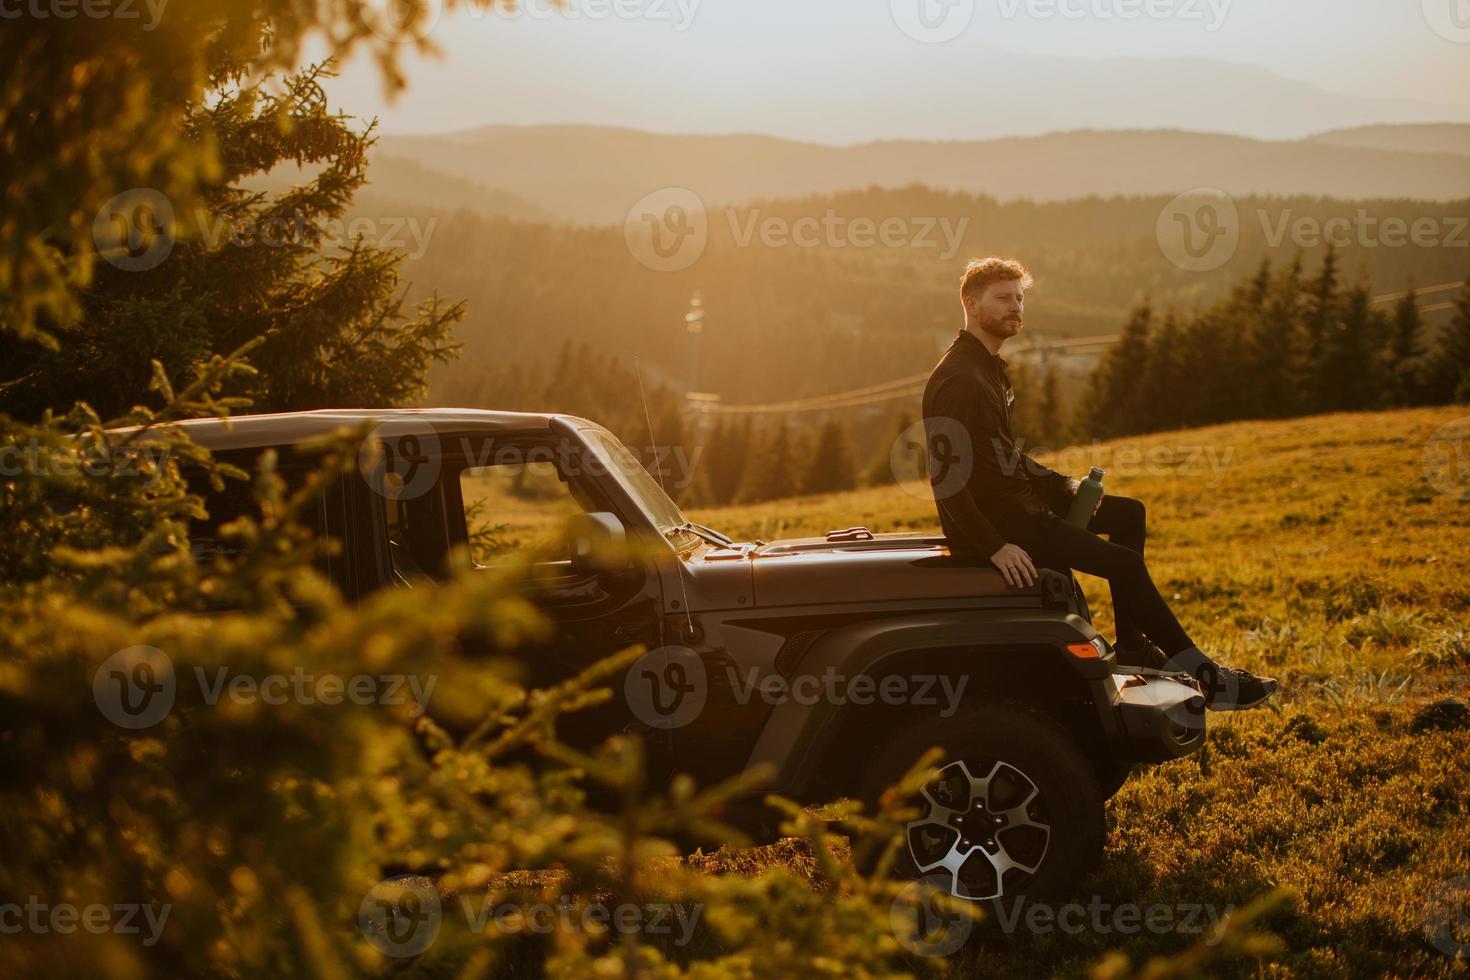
796,734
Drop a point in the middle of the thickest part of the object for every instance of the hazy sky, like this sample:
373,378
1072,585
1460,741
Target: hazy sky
843,70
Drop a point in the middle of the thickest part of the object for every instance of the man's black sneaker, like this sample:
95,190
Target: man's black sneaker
1142,654
1232,689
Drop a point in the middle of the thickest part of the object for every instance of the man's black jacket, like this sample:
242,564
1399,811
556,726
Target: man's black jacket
978,475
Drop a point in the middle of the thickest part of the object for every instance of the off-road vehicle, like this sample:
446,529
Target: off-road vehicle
835,661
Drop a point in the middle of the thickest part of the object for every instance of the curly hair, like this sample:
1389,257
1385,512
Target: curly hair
982,272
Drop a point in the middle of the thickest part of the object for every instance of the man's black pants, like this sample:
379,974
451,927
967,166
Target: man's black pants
1137,605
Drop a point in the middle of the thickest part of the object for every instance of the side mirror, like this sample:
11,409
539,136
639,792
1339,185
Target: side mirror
599,543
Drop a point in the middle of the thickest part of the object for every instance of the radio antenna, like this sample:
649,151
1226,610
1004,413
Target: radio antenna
658,471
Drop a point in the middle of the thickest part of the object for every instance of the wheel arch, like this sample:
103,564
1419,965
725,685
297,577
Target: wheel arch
1020,658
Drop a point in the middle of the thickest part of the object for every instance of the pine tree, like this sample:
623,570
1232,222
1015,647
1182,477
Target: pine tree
1112,406
1259,286
880,469
831,466
562,382
729,455
327,318
1404,351
1277,347
1447,375
1322,314
1159,384
1243,339
771,472
1049,428
1345,369
1208,389
694,490
1229,388
668,451
1025,411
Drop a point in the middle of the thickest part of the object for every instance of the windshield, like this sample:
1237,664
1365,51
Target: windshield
643,488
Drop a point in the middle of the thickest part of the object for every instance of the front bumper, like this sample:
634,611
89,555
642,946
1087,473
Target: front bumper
1162,718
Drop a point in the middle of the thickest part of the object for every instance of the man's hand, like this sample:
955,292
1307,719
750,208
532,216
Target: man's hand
1015,565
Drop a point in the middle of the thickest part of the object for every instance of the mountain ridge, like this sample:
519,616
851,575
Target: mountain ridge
547,165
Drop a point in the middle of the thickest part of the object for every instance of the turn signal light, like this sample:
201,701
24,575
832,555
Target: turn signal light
1084,651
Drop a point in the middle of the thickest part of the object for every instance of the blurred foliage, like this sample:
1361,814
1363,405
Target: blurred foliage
263,827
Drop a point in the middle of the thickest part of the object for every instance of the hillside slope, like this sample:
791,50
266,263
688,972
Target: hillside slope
1411,137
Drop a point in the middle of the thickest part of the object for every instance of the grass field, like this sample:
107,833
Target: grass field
1328,552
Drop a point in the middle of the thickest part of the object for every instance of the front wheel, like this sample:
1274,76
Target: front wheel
1015,809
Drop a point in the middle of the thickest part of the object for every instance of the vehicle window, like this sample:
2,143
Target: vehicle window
418,536
237,499
517,510
625,468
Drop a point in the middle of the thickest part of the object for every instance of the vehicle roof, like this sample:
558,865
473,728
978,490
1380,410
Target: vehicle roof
291,428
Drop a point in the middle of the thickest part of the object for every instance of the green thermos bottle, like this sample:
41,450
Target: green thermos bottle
1089,492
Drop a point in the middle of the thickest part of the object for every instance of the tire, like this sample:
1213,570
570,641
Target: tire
1113,779
1040,806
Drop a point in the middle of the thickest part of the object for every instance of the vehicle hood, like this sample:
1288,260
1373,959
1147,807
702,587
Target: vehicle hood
811,571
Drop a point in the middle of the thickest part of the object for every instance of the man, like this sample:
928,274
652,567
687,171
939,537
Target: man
998,503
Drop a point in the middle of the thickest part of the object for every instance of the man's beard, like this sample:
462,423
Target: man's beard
1004,328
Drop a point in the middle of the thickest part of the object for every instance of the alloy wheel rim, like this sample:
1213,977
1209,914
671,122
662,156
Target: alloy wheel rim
989,833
